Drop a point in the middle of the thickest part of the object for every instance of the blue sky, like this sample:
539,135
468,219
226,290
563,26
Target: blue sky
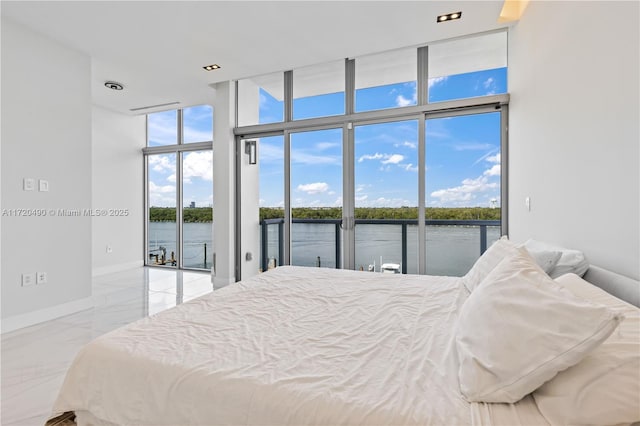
197,165
462,153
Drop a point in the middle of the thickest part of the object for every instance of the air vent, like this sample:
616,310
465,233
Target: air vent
154,106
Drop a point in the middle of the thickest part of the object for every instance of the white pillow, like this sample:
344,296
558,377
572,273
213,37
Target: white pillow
603,388
545,259
489,260
570,262
519,328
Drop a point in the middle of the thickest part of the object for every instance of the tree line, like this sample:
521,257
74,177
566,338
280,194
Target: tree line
190,214
205,214
450,213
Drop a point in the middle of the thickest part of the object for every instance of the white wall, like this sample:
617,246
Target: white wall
117,184
249,100
46,134
224,185
574,138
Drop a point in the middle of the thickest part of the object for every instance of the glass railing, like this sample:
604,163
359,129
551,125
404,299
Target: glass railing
382,245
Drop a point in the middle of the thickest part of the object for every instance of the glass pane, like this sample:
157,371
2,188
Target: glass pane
197,210
318,91
162,128
197,124
162,210
386,189
469,67
316,198
386,80
260,100
271,181
462,185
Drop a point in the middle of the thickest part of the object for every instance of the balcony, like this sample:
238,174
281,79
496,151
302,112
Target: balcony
452,245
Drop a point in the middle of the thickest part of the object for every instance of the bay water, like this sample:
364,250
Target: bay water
451,250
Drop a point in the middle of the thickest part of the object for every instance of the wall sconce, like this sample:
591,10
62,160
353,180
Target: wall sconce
250,150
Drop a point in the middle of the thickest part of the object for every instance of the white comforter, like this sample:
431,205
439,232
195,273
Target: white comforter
291,346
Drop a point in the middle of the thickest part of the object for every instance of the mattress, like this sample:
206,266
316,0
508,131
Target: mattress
292,346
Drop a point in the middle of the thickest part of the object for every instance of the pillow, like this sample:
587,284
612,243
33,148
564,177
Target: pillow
545,259
571,261
519,328
489,260
603,388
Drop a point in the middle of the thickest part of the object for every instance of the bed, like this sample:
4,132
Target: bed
297,346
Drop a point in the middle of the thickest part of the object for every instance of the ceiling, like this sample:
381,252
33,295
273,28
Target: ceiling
157,49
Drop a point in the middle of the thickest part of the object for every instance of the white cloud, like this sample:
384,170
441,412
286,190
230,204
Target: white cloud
410,167
393,159
389,202
375,156
436,80
314,188
407,144
158,189
493,171
401,101
466,191
489,83
198,164
362,198
162,163
494,158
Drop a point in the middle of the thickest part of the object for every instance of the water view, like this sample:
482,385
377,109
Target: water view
451,250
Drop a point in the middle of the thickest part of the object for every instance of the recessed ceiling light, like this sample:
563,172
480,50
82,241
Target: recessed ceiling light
113,85
449,16
211,67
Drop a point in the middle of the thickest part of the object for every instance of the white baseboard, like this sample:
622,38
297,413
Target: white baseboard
116,268
32,318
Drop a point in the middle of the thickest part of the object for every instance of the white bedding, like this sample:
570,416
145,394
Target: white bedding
291,346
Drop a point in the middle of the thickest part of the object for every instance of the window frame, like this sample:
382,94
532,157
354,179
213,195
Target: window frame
348,121
179,150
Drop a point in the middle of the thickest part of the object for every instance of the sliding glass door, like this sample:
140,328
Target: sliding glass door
386,196
316,198
463,187
162,247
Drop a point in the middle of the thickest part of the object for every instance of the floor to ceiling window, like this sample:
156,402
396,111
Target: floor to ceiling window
386,196
179,172
388,162
316,198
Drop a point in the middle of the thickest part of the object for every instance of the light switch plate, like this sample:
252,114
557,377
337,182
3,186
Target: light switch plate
43,185
29,184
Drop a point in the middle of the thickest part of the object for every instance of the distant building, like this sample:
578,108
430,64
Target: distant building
192,205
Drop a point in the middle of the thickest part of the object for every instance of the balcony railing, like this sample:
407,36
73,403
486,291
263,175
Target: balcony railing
482,225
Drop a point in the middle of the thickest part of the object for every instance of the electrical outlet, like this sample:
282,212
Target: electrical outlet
41,278
28,279
109,249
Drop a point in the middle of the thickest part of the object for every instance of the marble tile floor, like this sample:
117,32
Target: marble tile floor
35,359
